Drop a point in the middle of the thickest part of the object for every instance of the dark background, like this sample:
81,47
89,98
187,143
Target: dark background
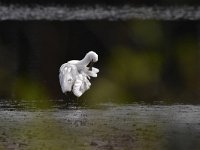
138,60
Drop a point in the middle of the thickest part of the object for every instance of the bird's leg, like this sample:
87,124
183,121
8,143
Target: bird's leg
77,102
71,99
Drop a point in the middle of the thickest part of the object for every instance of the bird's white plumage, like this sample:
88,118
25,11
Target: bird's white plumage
74,75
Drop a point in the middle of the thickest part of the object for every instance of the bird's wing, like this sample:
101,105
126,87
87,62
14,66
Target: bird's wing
66,77
81,84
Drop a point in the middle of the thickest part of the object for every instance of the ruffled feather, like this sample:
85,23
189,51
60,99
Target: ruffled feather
74,75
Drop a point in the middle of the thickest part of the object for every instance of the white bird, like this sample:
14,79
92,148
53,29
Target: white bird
75,74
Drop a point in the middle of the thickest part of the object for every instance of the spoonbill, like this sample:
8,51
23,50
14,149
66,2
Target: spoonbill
75,74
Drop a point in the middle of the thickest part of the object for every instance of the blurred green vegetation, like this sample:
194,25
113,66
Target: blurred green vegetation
159,65
126,70
147,33
139,60
32,92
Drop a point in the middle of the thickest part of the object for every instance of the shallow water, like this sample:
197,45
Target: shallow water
109,126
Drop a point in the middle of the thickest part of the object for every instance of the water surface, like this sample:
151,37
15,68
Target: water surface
109,126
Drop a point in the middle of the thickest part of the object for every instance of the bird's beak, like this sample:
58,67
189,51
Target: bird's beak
91,65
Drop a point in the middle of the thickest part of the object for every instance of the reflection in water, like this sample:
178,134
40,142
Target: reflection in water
112,127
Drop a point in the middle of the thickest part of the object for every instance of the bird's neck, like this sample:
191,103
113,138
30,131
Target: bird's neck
85,61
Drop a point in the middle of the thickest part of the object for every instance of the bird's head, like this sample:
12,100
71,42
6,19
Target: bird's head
93,57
